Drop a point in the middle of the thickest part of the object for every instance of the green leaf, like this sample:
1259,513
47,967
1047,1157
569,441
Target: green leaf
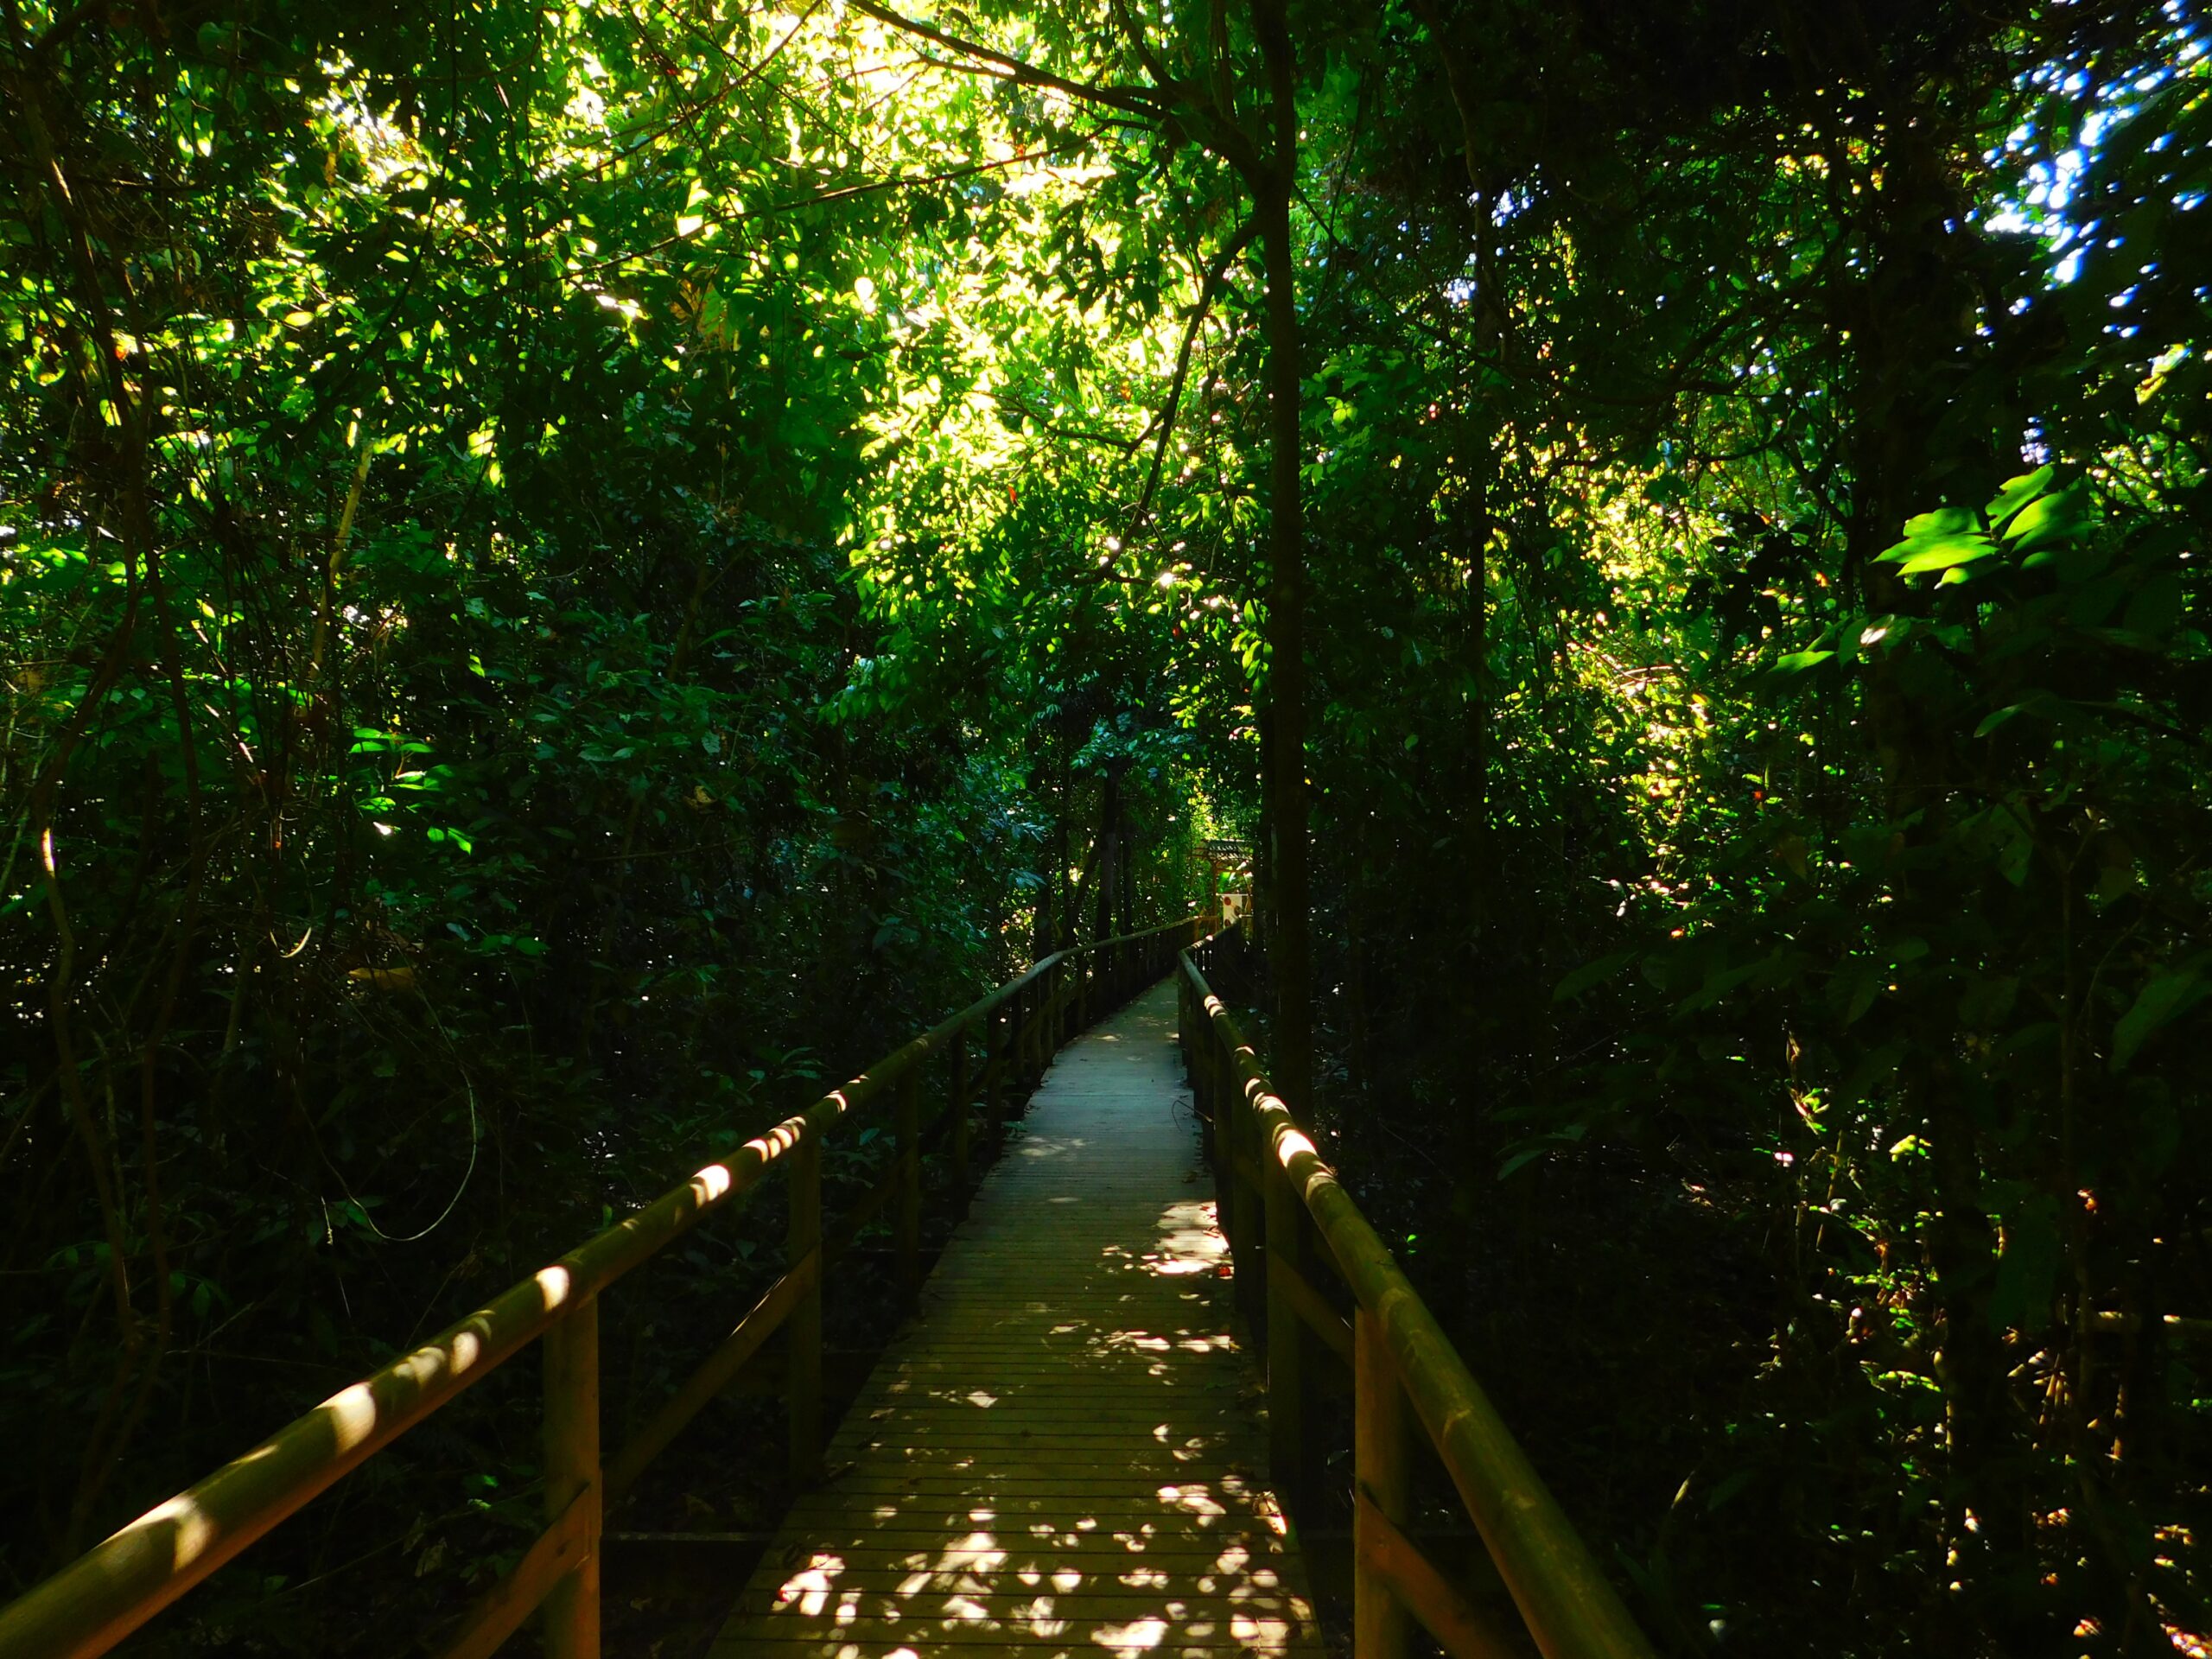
1716,987
1991,722
2012,841
2017,493
1987,1003
1730,1488
1852,991
2167,998
1944,521
1593,973
2156,606
1798,661
2049,519
1944,552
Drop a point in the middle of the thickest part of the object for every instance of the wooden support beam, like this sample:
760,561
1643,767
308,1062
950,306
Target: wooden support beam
499,1612
1313,1309
1288,1450
1251,1200
907,1220
1395,1561
1380,1472
719,1371
802,1245
572,1476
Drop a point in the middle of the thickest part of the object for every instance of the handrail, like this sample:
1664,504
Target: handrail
1564,1600
94,1602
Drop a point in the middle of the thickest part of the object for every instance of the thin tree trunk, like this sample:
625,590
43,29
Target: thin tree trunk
1109,856
1063,895
1290,957
1126,902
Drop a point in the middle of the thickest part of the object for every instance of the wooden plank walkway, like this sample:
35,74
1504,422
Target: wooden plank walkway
1060,1453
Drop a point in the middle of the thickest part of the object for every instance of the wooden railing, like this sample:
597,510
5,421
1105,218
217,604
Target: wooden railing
1282,1208
112,1589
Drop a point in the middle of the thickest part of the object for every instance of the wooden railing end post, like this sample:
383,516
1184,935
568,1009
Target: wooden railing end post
993,1072
572,1474
1380,1445
1286,1335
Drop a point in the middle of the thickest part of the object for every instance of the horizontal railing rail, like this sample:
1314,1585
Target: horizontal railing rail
1274,1190
113,1588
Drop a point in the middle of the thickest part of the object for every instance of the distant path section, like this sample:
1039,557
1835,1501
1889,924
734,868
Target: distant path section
1061,1453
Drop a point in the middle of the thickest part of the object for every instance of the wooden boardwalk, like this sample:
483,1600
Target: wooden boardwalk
1060,1453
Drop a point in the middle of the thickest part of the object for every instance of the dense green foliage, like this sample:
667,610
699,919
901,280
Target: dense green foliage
567,572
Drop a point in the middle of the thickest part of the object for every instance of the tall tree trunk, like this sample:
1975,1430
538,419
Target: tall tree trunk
1045,932
1290,954
1488,318
1109,853
1478,719
1914,310
1063,894
1262,924
1126,900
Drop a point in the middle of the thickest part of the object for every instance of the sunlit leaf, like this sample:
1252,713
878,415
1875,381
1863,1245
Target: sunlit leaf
2017,493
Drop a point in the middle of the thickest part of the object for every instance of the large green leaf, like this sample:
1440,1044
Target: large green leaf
1942,552
2017,493
2163,1000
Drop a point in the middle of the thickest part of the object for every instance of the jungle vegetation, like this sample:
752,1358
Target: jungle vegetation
567,571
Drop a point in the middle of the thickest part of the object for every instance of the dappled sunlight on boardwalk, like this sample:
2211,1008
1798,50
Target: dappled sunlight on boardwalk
1062,1453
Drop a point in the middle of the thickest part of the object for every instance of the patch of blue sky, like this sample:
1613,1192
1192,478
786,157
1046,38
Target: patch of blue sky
2052,185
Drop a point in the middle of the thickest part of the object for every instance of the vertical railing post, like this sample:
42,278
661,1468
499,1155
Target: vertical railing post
1189,1034
572,1474
909,1219
1380,1441
1286,1349
803,1325
1083,993
993,1069
960,1104
1252,1278
1209,1083
1229,1128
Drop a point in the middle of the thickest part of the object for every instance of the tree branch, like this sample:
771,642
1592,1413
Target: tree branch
1217,276
1130,99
